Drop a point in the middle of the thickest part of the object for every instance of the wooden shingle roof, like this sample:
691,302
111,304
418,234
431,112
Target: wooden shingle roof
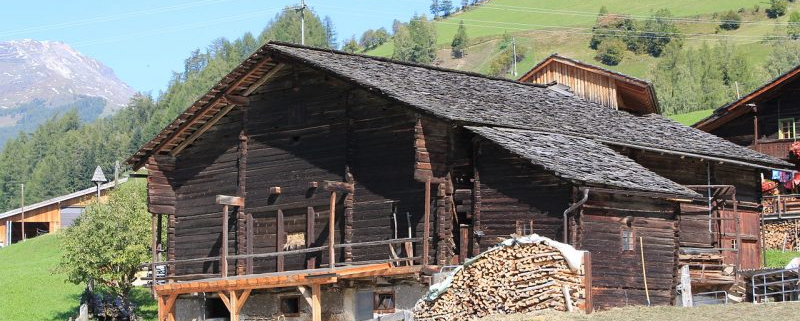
462,97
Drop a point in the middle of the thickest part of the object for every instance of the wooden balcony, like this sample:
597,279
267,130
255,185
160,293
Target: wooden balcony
778,148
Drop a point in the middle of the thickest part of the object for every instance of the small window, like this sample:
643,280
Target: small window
290,306
384,302
734,245
786,128
524,227
628,240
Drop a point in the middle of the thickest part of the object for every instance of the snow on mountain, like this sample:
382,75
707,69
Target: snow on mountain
56,73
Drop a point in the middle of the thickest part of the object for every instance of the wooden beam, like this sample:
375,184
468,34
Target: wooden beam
316,307
306,295
237,100
587,282
263,80
243,299
279,243
233,307
223,258
275,190
311,262
226,300
230,200
331,232
342,187
427,224
200,113
166,307
154,253
250,240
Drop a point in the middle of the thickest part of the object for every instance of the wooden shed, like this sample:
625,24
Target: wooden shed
606,87
48,216
327,185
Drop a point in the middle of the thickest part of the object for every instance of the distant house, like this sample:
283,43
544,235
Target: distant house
319,184
606,87
48,216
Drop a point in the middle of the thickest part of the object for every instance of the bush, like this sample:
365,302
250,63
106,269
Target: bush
794,25
777,8
611,52
730,21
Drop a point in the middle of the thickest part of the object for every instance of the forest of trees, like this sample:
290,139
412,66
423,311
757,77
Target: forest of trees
59,156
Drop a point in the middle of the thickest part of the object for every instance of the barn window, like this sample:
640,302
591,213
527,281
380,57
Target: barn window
628,240
384,302
734,245
290,306
525,227
786,128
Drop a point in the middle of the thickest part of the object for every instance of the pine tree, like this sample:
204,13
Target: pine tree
460,41
435,8
330,32
445,7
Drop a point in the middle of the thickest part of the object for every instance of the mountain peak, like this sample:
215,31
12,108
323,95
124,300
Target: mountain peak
56,73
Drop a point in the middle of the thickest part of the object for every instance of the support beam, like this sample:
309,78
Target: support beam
427,220
341,187
154,245
230,200
279,242
166,307
311,262
316,307
250,240
223,258
331,232
306,295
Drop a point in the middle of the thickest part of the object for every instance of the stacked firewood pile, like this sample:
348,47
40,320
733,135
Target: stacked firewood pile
781,235
519,278
707,268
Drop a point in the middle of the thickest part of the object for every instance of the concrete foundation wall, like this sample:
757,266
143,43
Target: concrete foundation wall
338,304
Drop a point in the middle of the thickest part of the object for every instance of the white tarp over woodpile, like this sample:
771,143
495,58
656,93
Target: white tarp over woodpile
519,275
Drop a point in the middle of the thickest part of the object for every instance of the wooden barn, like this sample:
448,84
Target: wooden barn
766,120
606,87
317,184
48,216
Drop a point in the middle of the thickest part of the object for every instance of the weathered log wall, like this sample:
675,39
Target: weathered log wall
513,192
617,278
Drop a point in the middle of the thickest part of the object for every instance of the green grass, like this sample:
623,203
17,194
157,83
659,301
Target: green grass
779,259
31,290
689,119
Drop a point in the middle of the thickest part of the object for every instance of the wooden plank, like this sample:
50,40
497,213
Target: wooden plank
250,241
280,239
331,232
311,262
316,307
427,224
223,259
342,187
154,245
587,282
230,200
263,80
233,306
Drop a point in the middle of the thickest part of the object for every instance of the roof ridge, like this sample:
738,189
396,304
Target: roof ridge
405,63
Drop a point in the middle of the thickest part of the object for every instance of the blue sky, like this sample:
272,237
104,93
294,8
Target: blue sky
145,40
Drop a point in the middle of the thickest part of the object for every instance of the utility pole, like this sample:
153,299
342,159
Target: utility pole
514,47
22,207
302,10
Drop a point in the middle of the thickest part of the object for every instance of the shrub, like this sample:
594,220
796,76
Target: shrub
730,21
611,52
777,8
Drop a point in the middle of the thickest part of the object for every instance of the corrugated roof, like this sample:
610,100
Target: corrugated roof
581,160
59,199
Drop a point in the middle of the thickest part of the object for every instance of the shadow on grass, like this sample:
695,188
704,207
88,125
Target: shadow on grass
71,313
146,308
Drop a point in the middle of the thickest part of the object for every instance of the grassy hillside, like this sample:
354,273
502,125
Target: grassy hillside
545,27
30,290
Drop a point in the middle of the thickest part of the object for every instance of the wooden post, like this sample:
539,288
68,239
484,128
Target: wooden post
154,244
587,282
316,307
463,244
311,262
250,238
686,287
223,258
644,270
234,304
427,231
280,240
331,232
166,307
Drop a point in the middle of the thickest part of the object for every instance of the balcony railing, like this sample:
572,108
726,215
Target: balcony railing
786,206
778,148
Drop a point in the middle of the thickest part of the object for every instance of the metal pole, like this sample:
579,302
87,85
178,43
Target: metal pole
22,208
514,46
302,22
